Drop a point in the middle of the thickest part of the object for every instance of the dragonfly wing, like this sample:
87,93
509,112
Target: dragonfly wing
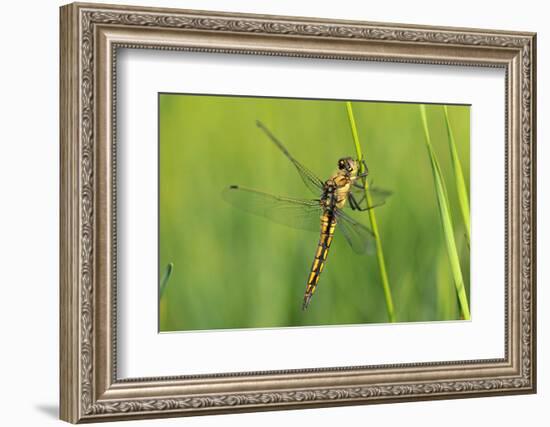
378,195
311,181
359,237
296,213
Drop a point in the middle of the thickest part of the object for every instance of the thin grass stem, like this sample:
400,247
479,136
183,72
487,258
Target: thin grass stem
372,218
459,178
446,220
165,277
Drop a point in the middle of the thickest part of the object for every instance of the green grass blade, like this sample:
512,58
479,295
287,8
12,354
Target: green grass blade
165,277
374,224
459,178
446,220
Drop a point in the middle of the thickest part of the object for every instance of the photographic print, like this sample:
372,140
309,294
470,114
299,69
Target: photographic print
280,212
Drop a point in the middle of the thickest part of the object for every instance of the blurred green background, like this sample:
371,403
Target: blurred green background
236,270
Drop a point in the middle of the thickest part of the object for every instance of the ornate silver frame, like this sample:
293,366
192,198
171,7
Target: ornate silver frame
90,36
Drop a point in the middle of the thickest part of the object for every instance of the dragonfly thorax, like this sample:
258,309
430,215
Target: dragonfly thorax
335,192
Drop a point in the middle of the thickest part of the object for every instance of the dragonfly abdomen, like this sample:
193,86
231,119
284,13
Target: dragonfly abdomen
328,224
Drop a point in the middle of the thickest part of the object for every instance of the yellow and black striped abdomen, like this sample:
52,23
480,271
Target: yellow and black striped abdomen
328,223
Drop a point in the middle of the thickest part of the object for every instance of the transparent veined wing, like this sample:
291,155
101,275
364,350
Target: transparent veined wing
359,237
311,181
296,213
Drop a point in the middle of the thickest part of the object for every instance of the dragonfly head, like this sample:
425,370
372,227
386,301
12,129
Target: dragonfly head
348,165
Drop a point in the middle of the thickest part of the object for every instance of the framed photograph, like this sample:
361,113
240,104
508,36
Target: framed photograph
266,212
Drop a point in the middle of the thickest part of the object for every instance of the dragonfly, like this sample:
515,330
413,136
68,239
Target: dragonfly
324,213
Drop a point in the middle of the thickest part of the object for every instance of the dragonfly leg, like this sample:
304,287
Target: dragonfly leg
352,202
365,169
356,205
